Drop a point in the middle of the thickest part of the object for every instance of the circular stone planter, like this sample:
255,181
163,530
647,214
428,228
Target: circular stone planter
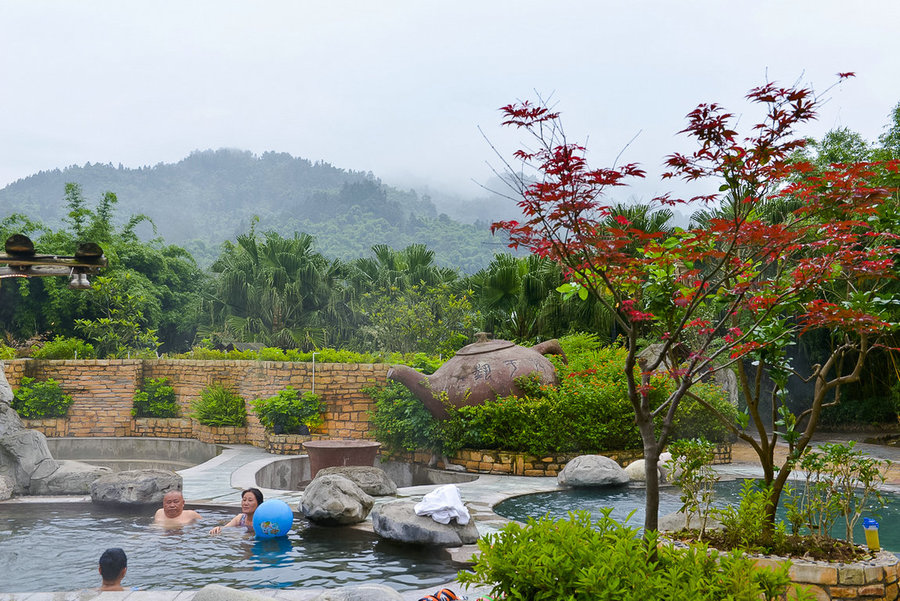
339,452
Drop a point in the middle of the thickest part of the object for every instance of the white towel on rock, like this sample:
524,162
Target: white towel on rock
443,504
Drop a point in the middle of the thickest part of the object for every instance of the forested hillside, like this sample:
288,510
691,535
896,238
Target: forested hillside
213,196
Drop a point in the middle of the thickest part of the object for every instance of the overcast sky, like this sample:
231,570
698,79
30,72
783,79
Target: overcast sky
400,88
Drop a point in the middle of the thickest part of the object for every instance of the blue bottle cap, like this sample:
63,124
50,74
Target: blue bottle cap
869,523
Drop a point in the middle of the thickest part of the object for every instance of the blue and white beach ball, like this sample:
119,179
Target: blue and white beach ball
272,518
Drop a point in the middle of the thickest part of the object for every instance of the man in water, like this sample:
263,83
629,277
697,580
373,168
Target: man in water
113,565
173,514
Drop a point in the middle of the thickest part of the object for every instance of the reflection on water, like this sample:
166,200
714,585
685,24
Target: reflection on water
55,547
629,501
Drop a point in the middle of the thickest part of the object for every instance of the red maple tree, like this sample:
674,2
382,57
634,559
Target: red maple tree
785,250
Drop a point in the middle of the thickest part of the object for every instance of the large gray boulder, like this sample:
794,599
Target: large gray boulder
72,478
24,455
364,592
373,480
7,488
592,470
673,522
134,487
217,592
335,500
6,393
398,521
637,471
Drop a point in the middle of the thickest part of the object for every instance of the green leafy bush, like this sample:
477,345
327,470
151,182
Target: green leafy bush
693,420
576,560
401,422
588,412
65,348
218,406
867,409
37,400
840,481
7,352
155,399
287,411
691,470
420,361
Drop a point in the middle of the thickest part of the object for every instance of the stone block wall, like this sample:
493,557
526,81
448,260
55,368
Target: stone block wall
874,580
51,427
523,464
102,391
163,427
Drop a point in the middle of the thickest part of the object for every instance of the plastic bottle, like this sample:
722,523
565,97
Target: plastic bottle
871,528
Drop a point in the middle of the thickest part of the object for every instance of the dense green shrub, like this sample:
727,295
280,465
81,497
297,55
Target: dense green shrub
155,399
7,352
37,400
62,347
401,422
218,406
883,409
287,411
420,361
693,420
577,560
588,411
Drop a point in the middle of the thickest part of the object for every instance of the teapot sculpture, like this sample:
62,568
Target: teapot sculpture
481,371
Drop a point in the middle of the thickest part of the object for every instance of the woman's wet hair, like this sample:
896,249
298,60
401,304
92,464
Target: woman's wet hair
112,562
256,493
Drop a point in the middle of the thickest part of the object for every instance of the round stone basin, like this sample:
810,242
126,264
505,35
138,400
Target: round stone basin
133,453
339,452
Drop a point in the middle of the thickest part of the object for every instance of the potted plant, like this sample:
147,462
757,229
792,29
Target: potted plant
289,411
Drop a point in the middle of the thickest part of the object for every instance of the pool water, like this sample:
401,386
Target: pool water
56,547
629,501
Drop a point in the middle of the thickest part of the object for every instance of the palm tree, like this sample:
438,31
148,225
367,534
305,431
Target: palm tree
279,292
518,300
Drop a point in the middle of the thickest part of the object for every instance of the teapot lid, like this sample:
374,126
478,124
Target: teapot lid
489,346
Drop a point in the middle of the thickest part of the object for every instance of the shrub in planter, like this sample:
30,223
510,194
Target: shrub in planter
290,412
62,347
37,400
155,399
218,406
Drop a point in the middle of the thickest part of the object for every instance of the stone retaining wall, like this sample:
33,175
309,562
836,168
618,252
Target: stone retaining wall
523,464
103,389
875,580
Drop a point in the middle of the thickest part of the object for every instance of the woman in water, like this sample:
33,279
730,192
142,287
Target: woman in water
250,500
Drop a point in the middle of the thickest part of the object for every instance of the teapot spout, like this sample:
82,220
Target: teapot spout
419,385
551,347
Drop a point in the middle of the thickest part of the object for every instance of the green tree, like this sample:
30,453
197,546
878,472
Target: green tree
429,319
165,277
121,331
278,291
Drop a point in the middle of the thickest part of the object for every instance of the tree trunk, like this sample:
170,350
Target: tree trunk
651,475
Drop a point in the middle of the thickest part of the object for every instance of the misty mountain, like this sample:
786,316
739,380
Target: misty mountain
212,196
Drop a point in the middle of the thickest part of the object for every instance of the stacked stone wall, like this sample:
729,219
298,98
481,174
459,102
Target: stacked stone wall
874,580
103,390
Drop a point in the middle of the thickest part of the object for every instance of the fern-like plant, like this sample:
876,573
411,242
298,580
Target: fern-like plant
156,399
218,406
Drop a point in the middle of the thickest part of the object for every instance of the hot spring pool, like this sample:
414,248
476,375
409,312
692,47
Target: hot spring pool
627,499
55,547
